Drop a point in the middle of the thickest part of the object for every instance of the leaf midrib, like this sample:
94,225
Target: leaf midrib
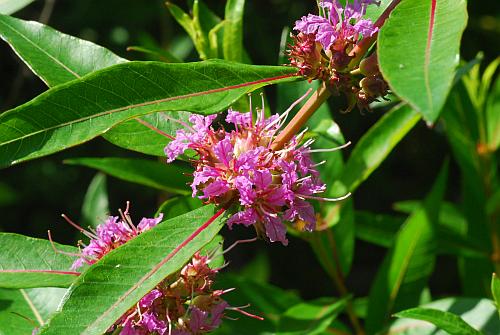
142,104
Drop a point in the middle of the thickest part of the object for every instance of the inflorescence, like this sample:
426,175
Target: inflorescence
239,166
323,49
184,303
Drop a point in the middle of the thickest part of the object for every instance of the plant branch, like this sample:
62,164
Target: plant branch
339,281
293,127
362,47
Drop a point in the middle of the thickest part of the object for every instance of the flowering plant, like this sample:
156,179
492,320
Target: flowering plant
320,251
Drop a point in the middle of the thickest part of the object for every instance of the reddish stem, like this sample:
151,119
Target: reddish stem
293,127
362,47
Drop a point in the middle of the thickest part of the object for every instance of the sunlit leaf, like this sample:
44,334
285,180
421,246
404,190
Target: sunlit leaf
27,262
122,277
419,65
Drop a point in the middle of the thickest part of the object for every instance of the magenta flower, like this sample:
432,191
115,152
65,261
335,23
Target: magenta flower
240,166
110,235
338,26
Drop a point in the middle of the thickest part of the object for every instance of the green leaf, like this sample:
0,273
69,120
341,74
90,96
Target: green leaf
117,281
53,56
419,65
80,110
27,262
462,121
478,313
95,206
197,26
11,6
265,300
447,321
310,317
381,230
492,116
373,12
495,290
134,135
141,171
179,205
233,30
23,310
410,261
375,146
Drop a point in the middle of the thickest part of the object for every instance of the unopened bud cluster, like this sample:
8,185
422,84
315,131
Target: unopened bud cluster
323,47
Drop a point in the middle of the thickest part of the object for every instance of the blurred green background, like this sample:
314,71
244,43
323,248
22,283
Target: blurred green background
34,194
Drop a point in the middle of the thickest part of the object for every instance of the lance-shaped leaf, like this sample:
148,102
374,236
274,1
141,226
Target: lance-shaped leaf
310,317
82,109
95,206
495,291
29,262
114,284
447,321
166,177
375,146
478,313
23,310
53,56
409,263
233,30
419,63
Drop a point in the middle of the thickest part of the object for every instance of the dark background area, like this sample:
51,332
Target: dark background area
34,194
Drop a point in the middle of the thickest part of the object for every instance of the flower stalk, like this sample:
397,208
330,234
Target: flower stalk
293,127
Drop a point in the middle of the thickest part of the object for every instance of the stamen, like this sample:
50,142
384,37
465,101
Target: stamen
331,149
240,310
317,164
300,136
238,242
59,251
83,231
303,197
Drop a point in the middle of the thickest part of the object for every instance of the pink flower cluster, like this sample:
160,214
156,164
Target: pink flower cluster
240,165
339,25
184,303
110,235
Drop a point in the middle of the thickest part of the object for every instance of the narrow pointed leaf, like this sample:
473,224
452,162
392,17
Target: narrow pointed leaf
80,110
114,284
478,313
95,206
447,321
409,263
233,30
419,63
53,56
18,307
495,291
375,146
29,262
141,171
310,317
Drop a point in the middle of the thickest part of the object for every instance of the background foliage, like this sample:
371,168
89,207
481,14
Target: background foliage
446,260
